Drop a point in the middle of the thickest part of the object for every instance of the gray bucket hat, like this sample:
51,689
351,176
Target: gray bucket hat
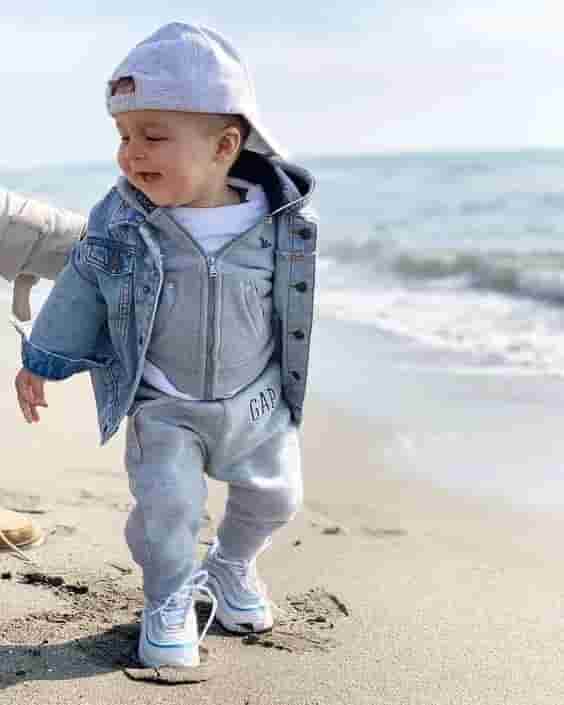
190,68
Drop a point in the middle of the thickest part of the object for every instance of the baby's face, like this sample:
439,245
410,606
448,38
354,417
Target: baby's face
169,156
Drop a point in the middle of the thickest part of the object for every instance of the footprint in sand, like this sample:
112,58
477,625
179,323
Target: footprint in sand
26,503
303,622
63,530
383,533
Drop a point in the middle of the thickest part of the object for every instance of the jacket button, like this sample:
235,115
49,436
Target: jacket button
305,233
298,334
295,375
141,340
146,289
301,287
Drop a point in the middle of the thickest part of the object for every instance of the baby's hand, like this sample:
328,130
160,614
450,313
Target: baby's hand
31,394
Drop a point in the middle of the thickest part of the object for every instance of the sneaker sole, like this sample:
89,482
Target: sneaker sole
152,655
230,625
163,663
241,630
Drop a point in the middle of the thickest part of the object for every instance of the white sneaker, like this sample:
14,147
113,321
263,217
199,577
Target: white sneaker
169,632
242,602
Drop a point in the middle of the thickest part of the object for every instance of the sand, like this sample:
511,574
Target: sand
388,589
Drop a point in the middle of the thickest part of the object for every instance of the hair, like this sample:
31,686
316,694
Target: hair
123,86
244,127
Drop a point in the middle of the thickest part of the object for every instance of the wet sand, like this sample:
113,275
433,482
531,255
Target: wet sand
388,589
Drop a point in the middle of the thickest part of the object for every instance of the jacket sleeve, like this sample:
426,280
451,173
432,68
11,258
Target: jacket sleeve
294,286
35,238
65,336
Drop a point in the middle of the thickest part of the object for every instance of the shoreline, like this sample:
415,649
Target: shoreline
481,434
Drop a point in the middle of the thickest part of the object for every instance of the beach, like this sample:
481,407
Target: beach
394,585
424,568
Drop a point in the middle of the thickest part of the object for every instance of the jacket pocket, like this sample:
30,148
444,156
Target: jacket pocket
111,257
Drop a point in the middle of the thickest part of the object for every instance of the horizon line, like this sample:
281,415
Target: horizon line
366,154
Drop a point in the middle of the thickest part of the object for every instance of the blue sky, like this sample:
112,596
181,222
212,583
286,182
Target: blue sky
350,77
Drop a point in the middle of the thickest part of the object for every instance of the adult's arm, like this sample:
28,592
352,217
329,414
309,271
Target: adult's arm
35,241
35,238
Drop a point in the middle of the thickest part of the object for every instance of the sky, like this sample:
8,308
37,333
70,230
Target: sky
333,78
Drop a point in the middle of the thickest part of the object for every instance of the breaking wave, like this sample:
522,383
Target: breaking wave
537,275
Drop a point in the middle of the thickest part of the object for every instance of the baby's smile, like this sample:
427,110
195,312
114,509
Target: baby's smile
148,177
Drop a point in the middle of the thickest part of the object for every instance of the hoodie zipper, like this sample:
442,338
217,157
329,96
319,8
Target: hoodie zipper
211,262
209,371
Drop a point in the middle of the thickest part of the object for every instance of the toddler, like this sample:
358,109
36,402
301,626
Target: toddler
190,301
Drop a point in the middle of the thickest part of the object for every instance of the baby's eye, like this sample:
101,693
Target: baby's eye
151,138
124,139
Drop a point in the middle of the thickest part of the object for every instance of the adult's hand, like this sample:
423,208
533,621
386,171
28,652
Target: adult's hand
21,307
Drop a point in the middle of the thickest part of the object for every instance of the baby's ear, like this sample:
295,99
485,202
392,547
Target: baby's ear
229,144
123,86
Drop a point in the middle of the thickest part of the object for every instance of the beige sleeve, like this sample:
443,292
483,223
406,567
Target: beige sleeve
35,238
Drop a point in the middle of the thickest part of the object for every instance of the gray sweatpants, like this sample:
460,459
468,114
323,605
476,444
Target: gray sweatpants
248,441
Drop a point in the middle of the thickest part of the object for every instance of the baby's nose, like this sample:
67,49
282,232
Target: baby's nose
135,150
137,154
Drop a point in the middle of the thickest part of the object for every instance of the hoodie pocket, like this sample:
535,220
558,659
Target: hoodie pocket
132,443
244,329
165,308
256,313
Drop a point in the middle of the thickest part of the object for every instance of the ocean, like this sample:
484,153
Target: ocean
456,252
440,306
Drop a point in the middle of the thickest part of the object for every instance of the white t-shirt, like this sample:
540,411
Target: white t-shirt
215,227
212,228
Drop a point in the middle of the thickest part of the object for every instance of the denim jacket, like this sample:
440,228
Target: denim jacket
100,314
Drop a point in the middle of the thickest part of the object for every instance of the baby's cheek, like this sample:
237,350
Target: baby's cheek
121,160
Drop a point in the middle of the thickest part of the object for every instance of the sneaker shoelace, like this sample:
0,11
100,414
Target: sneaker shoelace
246,570
174,609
